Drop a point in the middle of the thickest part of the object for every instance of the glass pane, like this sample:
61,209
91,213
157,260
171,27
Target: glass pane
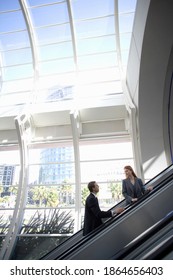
96,45
9,178
47,15
125,56
52,166
104,171
12,21
105,163
41,2
53,34
8,194
18,72
61,153
56,51
15,57
9,5
126,22
106,151
51,195
82,8
126,5
9,157
125,40
110,193
58,66
14,40
17,86
51,173
95,27
97,61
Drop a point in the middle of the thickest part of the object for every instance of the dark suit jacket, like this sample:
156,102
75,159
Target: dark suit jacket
93,215
130,191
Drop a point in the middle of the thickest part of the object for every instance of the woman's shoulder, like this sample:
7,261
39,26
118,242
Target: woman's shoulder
139,180
126,180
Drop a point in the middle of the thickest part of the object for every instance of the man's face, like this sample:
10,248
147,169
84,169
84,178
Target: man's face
96,188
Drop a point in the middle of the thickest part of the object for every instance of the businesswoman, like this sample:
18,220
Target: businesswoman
132,187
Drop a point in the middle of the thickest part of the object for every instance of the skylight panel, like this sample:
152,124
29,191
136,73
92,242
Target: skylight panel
49,15
83,9
12,21
53,34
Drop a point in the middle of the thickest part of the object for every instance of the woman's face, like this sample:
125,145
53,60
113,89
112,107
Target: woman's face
127,172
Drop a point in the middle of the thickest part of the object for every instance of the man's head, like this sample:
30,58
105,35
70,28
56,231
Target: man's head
93,187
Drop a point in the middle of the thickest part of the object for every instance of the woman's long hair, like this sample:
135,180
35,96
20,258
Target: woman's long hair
131,169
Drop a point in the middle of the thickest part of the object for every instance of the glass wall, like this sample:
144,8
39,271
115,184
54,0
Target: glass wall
103,162
49,214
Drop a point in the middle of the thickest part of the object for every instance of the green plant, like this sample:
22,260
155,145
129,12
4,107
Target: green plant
3,225
52,221
49,221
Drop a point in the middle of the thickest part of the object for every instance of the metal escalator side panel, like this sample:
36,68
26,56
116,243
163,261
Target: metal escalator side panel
112,239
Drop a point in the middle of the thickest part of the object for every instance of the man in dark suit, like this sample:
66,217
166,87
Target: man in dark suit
93,214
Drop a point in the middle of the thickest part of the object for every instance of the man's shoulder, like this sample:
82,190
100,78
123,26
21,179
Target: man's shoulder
90,196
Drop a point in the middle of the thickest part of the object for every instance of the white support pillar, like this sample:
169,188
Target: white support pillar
75,132
23,127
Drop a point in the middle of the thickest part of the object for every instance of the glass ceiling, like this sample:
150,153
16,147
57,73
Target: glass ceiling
52,50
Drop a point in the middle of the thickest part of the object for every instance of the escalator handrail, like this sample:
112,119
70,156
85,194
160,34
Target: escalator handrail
165,247
160,174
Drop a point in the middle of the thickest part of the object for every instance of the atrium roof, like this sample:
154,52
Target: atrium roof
54,50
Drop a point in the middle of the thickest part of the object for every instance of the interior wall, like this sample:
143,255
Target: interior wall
150,50
157,45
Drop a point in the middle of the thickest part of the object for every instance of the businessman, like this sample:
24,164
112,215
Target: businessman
93,214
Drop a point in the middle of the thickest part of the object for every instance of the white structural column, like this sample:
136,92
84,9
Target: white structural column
23,128
75,132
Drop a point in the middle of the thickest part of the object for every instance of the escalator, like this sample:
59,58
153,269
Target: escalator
154,244
74,239
115,233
